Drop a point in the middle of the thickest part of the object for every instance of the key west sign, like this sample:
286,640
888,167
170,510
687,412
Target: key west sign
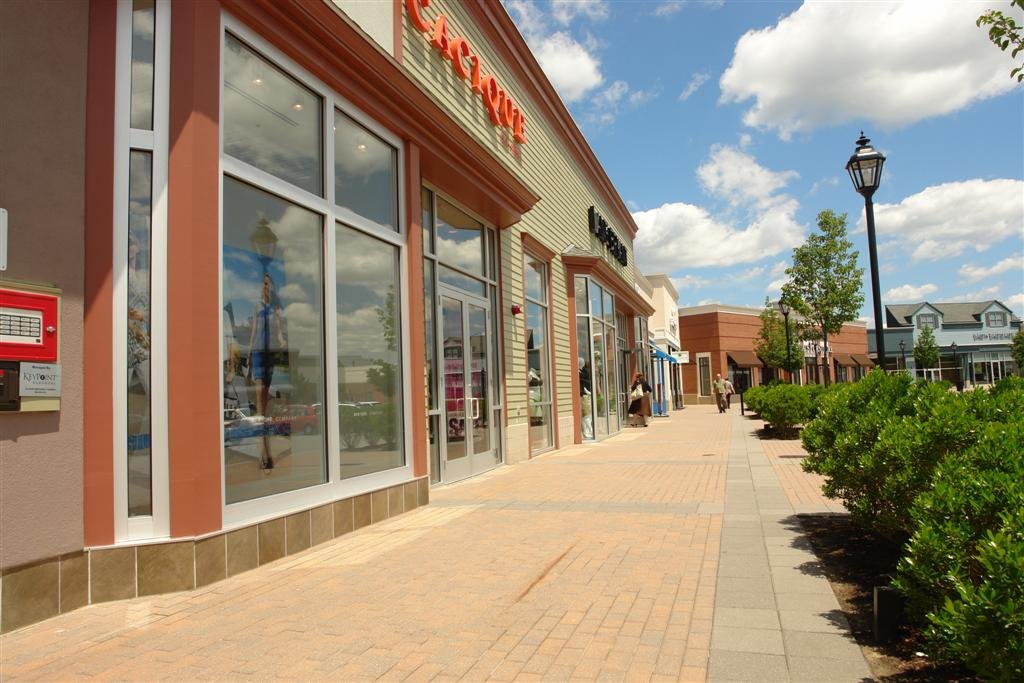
500,106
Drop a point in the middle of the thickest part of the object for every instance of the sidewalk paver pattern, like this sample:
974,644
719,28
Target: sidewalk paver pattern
666,553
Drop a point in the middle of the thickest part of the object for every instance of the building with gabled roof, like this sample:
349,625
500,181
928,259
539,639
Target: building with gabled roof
974,339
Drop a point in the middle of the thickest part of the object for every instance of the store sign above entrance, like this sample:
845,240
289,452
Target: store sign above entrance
599,227
500,106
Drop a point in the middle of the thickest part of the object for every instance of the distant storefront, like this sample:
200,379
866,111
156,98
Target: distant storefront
973,338
722,339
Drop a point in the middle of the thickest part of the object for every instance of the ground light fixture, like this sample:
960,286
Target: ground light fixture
865,169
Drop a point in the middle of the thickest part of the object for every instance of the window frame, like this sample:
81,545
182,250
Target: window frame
990,315
155,142
929,319
545,306
243,513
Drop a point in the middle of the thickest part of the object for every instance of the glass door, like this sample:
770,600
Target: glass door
469,444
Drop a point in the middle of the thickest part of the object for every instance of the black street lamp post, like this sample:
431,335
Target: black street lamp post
784,308
865,169
956,364
903,354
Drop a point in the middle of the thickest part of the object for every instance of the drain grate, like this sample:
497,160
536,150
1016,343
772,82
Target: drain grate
793,456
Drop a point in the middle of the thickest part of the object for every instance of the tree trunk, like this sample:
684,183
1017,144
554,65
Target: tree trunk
824,356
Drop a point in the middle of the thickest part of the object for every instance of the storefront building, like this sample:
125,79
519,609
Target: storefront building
349,251
721,339
666,375
973,338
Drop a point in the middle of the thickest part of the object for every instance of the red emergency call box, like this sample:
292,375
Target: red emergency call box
28,326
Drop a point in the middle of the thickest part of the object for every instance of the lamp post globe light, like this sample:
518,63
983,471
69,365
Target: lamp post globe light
865,169
784,309
903,353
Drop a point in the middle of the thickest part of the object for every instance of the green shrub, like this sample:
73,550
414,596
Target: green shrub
841,441
753,396
968,493
983,626
963,567
785,406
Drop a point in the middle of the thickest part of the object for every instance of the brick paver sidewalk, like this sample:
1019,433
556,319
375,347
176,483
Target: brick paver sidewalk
666,553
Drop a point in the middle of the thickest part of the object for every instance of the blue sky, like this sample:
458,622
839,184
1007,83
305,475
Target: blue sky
726,127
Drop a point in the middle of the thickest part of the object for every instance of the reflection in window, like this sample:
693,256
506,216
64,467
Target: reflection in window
140,211
143,26
271,121
463,282
369,354
535,279
585,376
365,173
272,345
460,239
538,352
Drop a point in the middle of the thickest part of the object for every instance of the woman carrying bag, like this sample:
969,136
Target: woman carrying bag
639,401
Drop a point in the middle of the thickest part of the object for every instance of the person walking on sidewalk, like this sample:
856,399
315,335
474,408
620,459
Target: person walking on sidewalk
729,391
718,386
639,401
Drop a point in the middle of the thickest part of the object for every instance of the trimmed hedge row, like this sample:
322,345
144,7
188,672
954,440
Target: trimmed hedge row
943,472
784,406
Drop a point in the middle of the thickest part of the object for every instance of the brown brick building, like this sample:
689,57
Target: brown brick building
721,339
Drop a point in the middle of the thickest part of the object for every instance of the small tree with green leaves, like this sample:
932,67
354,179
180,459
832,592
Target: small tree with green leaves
824,280
770,344
1017,351
926,350
1006,34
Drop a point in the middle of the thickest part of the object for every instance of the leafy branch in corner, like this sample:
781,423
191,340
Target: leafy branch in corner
1006,33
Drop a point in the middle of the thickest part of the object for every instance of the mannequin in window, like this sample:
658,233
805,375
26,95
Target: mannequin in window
586,422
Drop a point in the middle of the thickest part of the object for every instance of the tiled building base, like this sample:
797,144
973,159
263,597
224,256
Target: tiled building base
44,589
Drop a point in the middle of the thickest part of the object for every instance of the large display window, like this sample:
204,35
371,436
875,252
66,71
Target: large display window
597,359
313,293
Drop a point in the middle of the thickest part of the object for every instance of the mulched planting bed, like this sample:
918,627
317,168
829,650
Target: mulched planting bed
855,561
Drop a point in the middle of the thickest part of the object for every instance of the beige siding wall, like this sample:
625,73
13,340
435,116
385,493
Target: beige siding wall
375,17
545,165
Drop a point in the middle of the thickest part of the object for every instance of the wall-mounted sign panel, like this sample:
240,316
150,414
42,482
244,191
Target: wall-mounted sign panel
40,379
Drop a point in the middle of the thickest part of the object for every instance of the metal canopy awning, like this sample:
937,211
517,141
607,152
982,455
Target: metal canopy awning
661,355
844,359
745,359
862,360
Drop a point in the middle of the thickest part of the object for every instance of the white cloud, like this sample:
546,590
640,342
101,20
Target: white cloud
564,11
779,268
611,95
639,98
908,293
735,176
914,60
745,140
980,295
697,80
1015,302
818,184
943,221
972,273
571,68
689,282
669,7
749,274
775,286
680,235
